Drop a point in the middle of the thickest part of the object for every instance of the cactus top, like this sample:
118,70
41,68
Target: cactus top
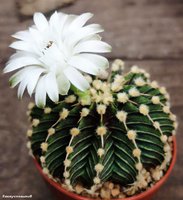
120,130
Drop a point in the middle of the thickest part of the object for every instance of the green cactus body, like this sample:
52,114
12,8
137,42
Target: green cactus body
119,134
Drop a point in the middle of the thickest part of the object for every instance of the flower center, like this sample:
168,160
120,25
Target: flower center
49,45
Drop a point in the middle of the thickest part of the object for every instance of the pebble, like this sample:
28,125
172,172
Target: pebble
105,194
115,192
79,189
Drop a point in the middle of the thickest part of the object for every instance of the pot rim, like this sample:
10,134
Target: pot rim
144,194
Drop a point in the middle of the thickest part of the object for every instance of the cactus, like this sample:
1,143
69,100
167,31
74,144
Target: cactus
119,130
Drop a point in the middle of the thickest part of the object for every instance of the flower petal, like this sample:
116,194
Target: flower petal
57,21
36,35
21,88
83,64
92,46
66,25
22,35
27,79
63,84
82,33
33,79
17,78
40,93
79,21
40,21
51,86
20,62
99,61
76,78
22,45
20,75
19,54
92,37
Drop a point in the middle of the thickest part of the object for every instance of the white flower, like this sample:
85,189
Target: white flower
52,55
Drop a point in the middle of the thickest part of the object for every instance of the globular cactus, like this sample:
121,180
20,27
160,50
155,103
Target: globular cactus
120,130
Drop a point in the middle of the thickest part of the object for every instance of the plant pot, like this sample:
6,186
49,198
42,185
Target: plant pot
63,194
